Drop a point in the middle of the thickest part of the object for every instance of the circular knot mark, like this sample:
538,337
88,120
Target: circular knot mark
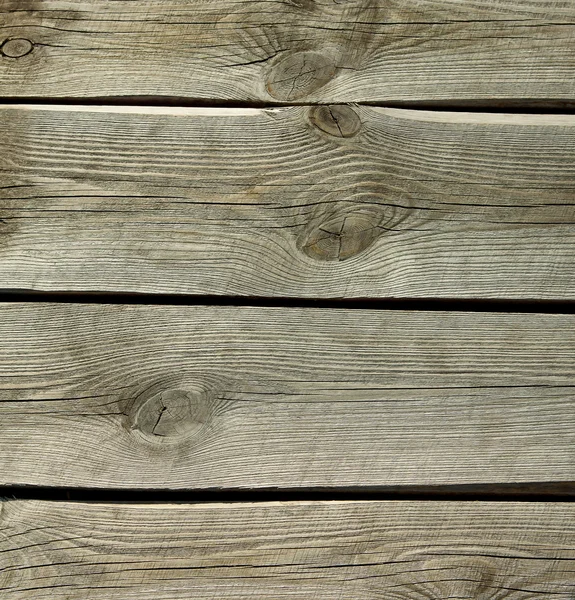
460,574
299,75
173,414
337,120
342,234
16,48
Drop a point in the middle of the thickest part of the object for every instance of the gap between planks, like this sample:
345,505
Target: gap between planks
499,492
565,307
140,103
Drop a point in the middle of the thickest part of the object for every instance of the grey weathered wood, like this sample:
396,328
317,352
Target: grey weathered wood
290,51
295,551
314,202
211,397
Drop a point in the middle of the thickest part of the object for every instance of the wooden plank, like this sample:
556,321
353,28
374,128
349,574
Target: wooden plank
276,202
120,396
290,51
295,551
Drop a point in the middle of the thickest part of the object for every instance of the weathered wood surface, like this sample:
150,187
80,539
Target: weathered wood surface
290,51
327,550
223,397
313,202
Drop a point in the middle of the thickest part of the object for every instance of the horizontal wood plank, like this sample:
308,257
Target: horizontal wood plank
120,396
290,51
325,202
295,551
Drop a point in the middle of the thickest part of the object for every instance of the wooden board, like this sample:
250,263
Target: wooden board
290,51
295,551
226,397
314,202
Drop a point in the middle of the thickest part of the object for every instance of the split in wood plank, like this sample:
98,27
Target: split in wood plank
120,396
290,51
287,551
335,201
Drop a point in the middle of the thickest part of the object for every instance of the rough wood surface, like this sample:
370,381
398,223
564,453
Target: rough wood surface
223,397
340,201
295,551
291,50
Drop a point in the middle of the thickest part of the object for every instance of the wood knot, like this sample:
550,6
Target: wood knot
338,120
342,232
16,48
299,74
173,414
457,575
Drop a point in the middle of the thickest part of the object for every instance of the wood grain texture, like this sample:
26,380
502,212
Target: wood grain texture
295,551
127,396
339,201
290,51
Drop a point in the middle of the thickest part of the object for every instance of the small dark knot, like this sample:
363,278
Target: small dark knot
343,232
337,120
299,75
